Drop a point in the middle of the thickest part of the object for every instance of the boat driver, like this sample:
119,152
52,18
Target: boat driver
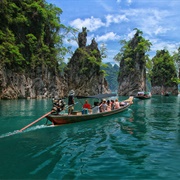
71,101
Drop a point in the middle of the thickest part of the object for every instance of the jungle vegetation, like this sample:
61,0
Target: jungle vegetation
162,69
31,35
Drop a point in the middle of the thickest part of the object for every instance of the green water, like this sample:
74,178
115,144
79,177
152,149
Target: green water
140,143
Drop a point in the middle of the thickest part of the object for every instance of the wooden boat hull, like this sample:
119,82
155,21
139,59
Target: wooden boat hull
67,119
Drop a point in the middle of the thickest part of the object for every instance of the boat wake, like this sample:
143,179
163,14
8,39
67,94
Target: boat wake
27,130
33,128
9,134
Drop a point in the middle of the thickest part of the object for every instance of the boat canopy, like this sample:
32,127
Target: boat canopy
98,96
143,92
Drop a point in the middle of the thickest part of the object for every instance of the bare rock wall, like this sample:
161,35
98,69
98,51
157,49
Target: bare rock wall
42,85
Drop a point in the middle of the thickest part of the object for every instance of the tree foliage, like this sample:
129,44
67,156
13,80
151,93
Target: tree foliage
176,58
163,71
30,34
88,59
133,50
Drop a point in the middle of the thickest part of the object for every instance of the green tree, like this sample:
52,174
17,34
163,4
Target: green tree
133,50
163,71
133,59
30,34
176,57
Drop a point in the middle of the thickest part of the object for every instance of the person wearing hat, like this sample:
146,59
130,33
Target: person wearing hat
71,102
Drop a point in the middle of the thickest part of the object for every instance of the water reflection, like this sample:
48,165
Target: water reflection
21,107
140,143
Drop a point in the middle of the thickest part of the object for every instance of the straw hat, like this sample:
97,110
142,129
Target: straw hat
71,92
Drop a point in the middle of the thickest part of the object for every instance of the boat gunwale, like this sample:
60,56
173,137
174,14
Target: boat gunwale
59,119
69,119
85,115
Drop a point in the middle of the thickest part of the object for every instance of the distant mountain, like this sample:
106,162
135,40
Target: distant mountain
112,75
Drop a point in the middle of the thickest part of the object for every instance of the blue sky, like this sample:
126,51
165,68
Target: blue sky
110,21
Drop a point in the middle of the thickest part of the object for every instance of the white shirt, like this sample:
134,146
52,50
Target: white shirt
95,109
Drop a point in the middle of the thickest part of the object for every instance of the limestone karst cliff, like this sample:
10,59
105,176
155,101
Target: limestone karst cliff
82,74
132,72
40,83
164,75
132,76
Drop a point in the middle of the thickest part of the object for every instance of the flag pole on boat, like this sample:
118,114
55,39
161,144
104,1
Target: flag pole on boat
35,121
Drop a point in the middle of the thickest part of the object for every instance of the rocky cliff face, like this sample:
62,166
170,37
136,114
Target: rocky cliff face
82,74
132,74
37,84
131,83
83,70
158,90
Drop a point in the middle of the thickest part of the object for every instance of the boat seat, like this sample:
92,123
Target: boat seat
76,113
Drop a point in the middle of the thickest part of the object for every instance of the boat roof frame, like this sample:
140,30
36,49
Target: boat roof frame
98,96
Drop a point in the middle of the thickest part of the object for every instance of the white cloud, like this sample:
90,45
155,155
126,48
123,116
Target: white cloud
71,43
129,2
108,36
130,35
160,30
105,6
115,19
74,43
151,21
91,24
154,22
89,39
160,45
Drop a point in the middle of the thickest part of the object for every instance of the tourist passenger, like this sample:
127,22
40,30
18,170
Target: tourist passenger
96,108
104,106
116,104
87,106
100,109
71,102
108,105
112,104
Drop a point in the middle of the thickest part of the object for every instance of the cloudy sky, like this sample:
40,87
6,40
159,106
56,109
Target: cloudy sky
110,21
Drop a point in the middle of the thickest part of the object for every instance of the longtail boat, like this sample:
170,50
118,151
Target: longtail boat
78,116
143,95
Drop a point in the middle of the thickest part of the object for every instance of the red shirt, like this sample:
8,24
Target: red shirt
87,106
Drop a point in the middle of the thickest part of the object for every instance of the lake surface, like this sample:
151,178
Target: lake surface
141,143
